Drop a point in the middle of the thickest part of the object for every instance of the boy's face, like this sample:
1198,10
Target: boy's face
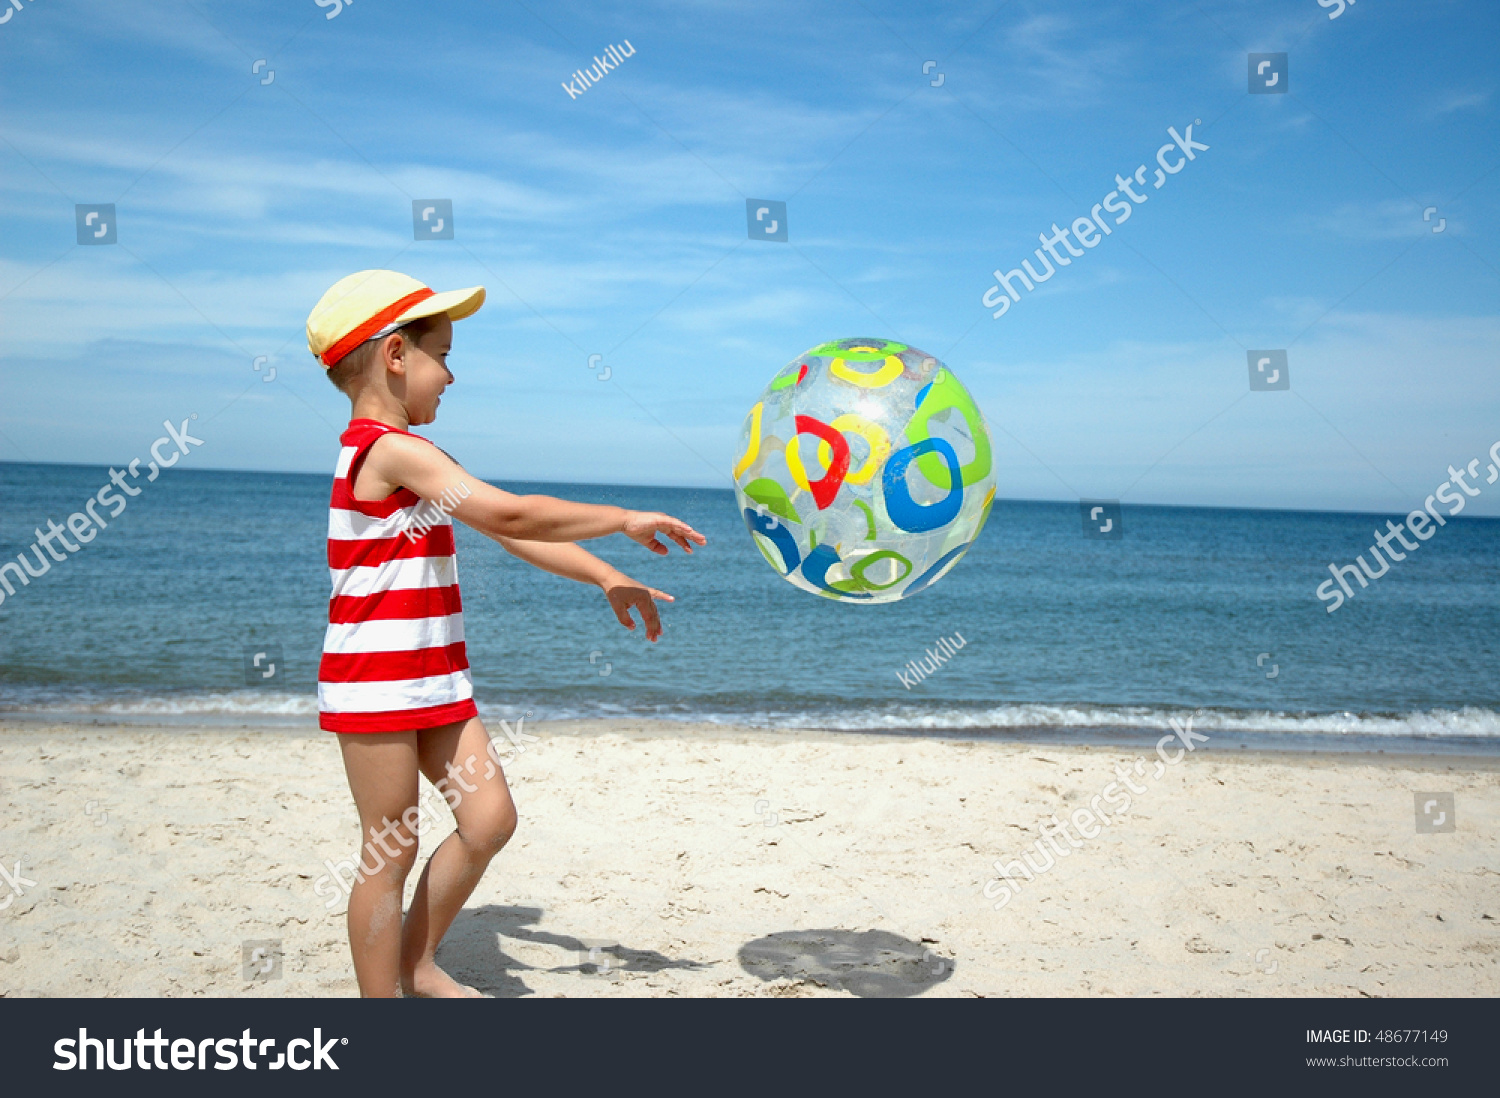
425,373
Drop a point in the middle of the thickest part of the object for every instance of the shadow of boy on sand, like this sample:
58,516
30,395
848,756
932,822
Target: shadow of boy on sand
472,951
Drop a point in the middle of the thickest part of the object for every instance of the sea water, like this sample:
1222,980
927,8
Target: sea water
1201,612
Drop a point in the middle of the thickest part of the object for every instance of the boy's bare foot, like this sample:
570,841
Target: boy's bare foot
430,982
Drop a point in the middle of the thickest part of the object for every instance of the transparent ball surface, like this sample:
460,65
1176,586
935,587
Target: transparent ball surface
865,471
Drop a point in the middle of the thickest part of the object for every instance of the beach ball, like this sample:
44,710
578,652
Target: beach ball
864,471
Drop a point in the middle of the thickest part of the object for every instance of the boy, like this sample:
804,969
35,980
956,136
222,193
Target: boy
394,680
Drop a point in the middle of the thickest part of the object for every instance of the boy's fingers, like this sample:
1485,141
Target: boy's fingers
651,618
683,534
622,613
675,529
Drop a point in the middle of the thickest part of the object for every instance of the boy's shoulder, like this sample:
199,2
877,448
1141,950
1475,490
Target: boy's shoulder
397,449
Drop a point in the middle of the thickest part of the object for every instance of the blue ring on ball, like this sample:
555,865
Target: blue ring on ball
773,528
929,577
906,512
815,571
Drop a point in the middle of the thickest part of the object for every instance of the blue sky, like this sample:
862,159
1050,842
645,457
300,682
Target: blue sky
614,224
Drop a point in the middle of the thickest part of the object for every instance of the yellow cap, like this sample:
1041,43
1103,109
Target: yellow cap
367,304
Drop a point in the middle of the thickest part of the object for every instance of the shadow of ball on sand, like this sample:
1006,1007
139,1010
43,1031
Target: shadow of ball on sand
872,964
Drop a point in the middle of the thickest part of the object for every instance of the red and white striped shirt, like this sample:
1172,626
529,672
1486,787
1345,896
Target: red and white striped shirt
393,657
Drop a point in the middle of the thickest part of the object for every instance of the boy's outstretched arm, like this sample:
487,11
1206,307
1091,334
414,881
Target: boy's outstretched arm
405,461
577,563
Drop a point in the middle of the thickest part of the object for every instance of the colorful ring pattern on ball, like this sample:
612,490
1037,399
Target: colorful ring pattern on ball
935,573
936,457
881,377
858,350
906,512
826,487
943,393
754,448
766,491
767,526
815,571
872,433
788,379
857,572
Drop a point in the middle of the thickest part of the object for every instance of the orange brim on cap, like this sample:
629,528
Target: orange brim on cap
365,304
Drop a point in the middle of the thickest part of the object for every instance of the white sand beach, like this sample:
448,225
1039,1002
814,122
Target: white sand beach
712,861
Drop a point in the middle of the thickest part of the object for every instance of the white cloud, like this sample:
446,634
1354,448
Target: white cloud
1102,419
1391,219
1460,101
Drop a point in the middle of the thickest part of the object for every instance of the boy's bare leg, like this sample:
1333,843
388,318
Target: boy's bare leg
382,770
486,818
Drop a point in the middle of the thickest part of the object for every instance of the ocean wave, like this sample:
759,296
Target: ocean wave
245,704
1468,722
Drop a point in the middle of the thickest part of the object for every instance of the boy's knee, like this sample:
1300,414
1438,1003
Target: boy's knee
494,831
389,848
374,863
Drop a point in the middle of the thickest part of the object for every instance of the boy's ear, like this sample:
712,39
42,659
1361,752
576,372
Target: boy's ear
393,352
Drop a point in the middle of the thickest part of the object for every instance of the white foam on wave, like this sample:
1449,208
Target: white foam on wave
1468,722
248,703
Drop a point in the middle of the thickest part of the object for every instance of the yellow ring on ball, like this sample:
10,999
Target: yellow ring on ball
750,454
873,433
883,376
794,463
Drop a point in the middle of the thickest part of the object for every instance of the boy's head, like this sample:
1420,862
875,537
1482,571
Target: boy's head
379,333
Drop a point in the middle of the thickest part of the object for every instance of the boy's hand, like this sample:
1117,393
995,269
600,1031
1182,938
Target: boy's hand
624,593
643,526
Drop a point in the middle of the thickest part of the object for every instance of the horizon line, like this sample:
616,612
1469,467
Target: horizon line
729,488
